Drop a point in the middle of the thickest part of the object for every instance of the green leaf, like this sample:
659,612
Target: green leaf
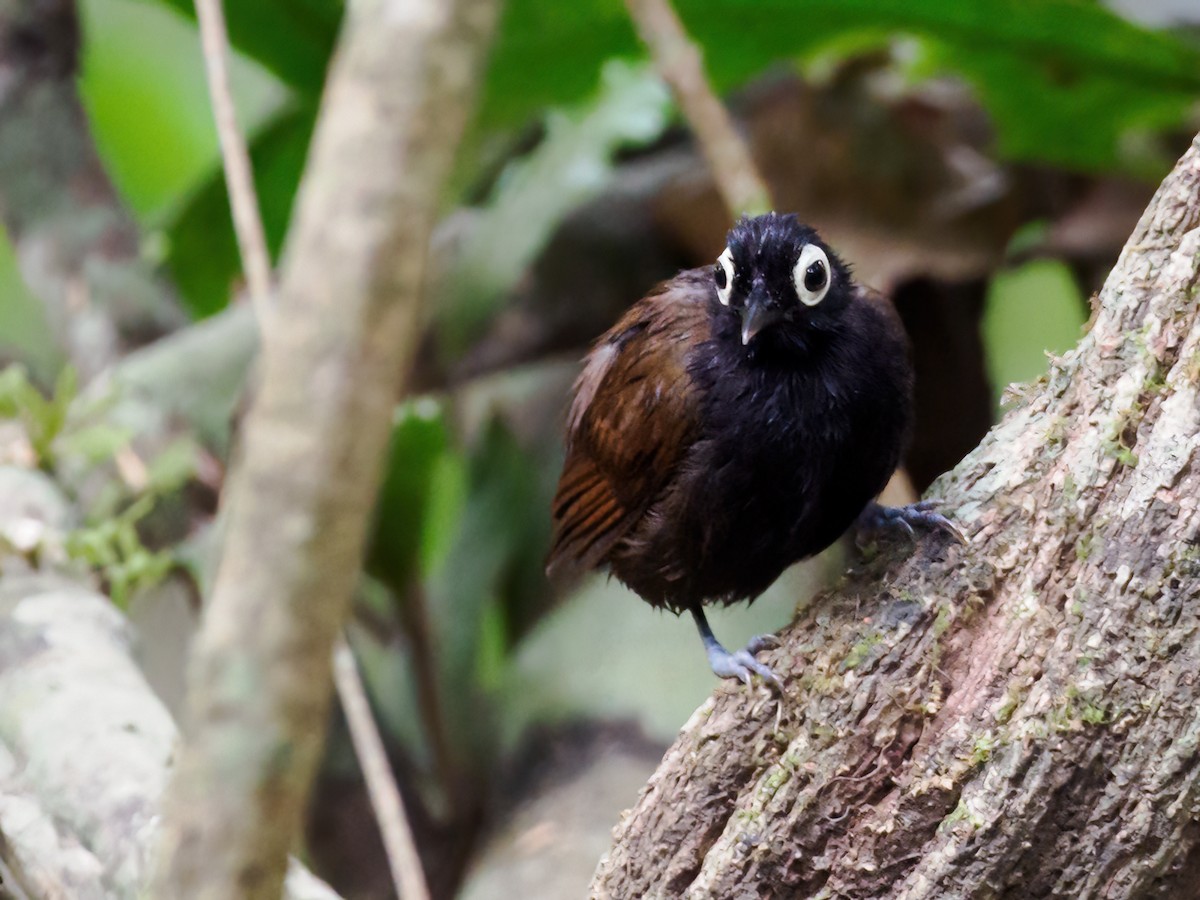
42,417
292,38
572,163
143,85
494,569
173,467
97,443
1059,112
203,255
1064,78
1042,292
420,440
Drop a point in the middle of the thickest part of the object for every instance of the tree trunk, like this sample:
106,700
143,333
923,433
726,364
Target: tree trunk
1014,718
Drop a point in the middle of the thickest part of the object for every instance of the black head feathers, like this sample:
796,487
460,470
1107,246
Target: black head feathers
776,271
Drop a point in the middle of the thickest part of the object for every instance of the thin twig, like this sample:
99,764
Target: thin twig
243,201
679,62
386,801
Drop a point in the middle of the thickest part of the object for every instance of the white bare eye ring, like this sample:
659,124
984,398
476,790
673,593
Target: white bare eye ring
812,275
723,276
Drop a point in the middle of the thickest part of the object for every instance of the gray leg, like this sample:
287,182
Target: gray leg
741,664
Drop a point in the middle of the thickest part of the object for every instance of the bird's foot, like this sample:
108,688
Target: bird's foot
877,517
742,664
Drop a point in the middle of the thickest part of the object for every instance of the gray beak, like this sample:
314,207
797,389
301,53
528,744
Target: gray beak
759,312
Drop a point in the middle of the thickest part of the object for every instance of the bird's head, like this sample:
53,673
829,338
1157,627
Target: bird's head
776,273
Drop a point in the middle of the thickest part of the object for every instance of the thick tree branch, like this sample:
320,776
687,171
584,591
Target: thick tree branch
1016,718
388,805
333,354
77,246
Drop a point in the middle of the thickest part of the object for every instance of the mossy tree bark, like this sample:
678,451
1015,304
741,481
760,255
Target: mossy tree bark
1016,718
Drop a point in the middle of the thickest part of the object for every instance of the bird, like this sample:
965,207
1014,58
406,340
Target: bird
737,419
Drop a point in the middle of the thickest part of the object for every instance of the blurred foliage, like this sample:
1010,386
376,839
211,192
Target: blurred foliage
203,255
291,38
113,548
1032,310
61,439
143,85
1064,79
570,165
42,418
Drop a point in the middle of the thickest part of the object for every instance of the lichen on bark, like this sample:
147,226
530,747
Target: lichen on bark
1014,718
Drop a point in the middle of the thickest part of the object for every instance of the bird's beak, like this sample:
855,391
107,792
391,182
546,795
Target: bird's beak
759,312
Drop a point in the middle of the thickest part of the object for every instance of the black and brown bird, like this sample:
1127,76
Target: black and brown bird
735,420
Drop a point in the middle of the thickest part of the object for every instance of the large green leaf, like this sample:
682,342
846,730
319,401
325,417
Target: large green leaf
202,255
1033,61
572,163
292,38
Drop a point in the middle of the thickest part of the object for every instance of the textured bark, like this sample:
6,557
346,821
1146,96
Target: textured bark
334,351
77,246
1017,718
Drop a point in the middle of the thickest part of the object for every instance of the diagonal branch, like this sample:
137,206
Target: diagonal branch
679,61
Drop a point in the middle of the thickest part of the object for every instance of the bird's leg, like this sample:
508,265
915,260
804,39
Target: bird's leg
876,517
741,664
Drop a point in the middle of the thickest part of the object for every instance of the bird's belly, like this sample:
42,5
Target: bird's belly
726,531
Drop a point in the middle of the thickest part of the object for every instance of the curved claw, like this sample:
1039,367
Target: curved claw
937,520
741,665
761,642
876,517
744,658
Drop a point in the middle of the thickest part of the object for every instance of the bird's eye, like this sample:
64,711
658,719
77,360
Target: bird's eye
812,275
723,276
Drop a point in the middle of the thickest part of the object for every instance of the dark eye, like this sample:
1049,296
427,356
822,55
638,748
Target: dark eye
723,276
811,275
814,276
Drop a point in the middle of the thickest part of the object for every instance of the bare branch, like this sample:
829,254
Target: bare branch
239,178
403,859
679,61
399,92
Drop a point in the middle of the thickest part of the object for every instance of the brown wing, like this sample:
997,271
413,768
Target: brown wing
634,414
